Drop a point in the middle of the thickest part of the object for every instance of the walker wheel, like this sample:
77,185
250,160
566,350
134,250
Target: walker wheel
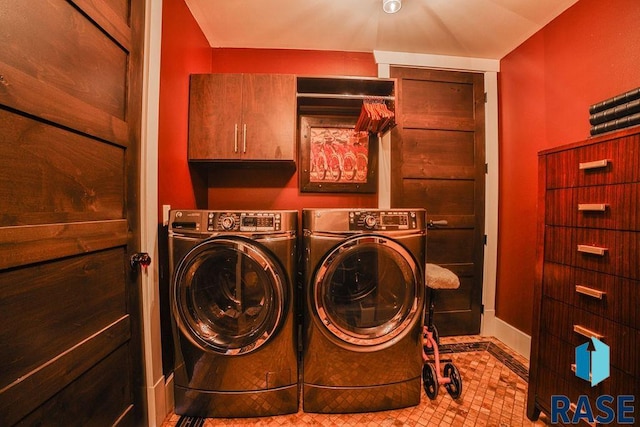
455,386
429,381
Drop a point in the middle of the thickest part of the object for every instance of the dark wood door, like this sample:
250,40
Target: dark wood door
438,163
70,114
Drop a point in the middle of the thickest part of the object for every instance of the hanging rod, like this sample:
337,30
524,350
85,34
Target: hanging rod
343,96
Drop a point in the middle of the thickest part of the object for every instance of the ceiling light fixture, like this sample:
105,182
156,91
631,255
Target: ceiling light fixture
391,6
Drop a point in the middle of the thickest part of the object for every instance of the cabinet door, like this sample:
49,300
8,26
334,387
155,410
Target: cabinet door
215,117
268,121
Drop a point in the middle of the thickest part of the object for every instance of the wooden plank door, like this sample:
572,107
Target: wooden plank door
438,163
70,112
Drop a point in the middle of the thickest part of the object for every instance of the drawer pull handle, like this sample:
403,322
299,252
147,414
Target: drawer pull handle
592,207
593,250
594,165
594,293
588,333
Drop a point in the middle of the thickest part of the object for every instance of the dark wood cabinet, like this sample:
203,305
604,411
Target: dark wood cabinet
242,117
588,267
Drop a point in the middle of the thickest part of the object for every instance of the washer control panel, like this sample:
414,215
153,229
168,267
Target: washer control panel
244,221
382,220
206,222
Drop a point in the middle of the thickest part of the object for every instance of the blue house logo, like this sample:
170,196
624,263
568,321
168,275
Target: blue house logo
592,364
592,361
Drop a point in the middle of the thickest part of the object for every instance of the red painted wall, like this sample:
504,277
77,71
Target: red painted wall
184,50
589,53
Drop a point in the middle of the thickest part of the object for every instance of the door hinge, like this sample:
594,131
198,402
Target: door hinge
486,168
485,98
484,239
481,308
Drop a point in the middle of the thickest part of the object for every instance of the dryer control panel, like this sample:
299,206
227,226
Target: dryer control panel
382,220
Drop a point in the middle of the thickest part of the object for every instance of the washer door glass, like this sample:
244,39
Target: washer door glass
229,295
367,290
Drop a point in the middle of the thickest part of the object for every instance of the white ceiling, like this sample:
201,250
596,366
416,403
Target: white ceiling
469,28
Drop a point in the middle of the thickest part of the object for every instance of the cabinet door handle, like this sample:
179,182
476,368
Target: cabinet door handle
235,139
590,292
244,138
588,333
592,207
598,164
593,250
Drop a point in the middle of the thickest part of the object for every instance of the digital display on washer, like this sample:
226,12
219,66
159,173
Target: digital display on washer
394,220
257,223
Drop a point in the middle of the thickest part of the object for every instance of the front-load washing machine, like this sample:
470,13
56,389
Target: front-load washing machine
363,281
232,305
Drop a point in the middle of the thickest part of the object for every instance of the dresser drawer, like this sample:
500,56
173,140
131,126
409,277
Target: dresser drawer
602,294
613,207
575,326
606,251
611,162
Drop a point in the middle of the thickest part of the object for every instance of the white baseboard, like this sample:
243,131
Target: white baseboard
511,336
156,401
169,396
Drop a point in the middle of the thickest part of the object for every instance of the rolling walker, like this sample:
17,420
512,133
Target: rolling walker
438,278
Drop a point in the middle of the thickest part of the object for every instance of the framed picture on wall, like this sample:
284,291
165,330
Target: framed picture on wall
336,158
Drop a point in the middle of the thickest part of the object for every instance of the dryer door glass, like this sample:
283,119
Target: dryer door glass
229,295
366,291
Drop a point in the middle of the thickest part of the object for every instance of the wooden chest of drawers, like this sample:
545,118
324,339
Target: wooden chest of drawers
588,268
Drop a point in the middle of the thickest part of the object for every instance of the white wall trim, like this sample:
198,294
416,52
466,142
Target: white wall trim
512,337
491,196
384,156
152,349
436,61
490,68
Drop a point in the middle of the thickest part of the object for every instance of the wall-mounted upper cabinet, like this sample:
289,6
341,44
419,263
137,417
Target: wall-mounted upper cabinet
237,117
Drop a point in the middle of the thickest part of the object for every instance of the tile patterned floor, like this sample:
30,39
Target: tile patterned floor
494,390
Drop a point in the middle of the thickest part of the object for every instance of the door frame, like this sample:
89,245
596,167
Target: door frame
158,395
490,324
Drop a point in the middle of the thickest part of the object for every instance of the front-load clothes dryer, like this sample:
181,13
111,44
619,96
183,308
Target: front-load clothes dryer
232,304
363,285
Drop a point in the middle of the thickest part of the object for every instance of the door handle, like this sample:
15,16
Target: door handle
437,223
140,259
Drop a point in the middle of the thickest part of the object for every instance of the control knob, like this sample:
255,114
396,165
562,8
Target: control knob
370,221
227,222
